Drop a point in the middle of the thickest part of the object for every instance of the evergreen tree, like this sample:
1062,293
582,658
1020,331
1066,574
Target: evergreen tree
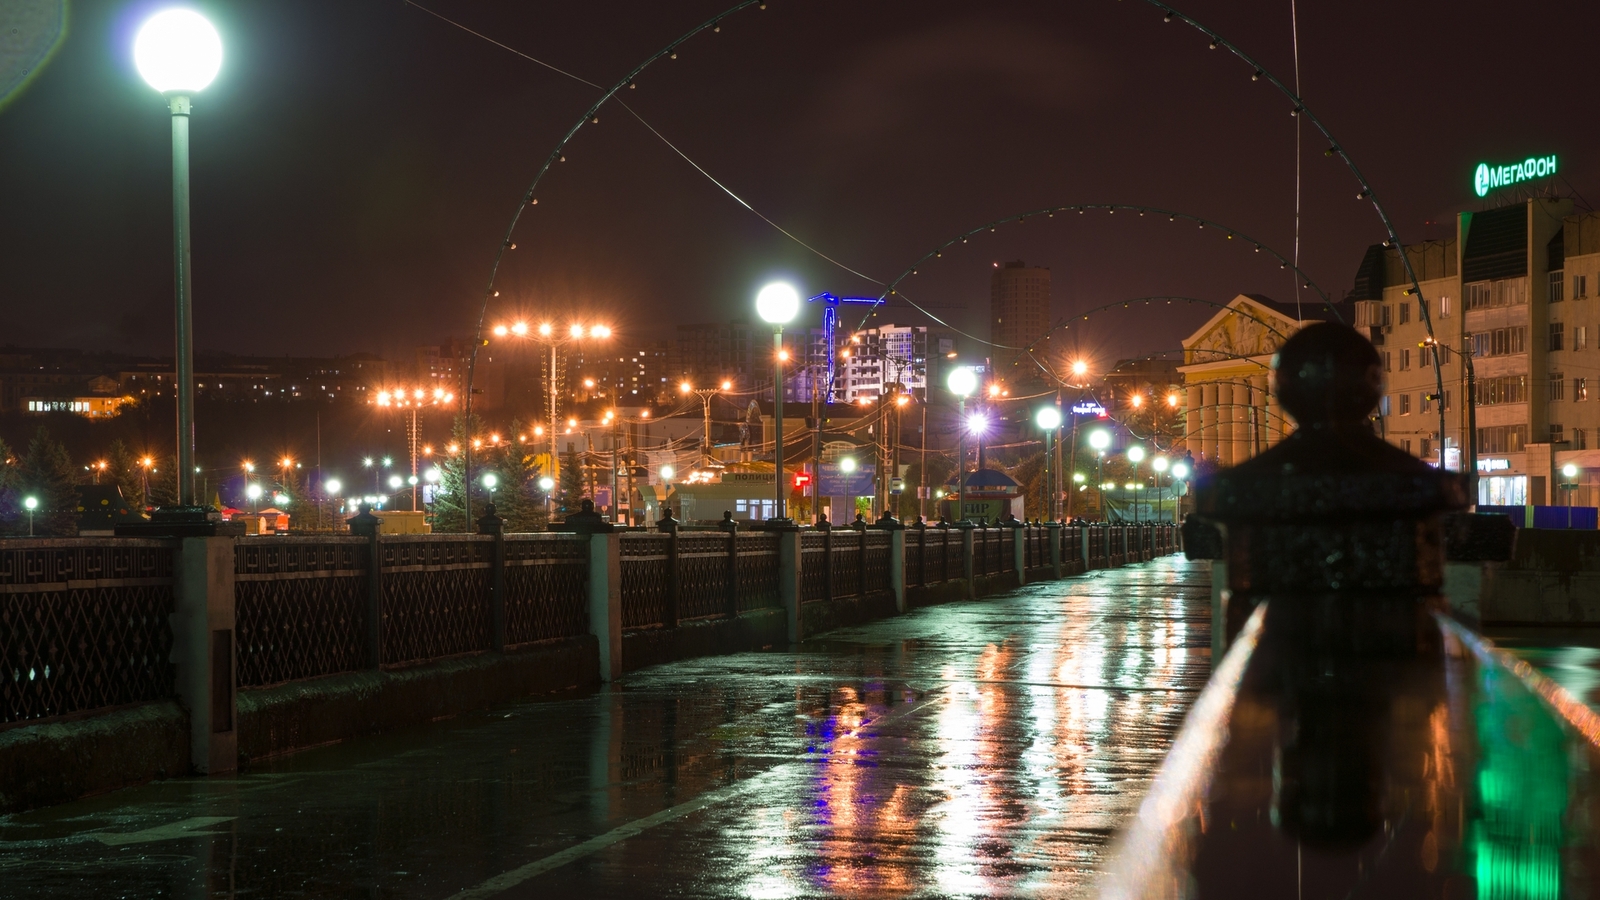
123,470
571,495
11,510
164,482
45,473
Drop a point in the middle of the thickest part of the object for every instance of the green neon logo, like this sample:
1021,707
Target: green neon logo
1488,177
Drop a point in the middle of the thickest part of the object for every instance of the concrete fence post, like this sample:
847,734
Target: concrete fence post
492,524
1053,529
897,568
365,524
605,600
789,562
1083,547
203,650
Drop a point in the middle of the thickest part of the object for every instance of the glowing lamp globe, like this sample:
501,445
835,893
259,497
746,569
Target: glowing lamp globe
848,464
962,381
547,483
1159,464
253,492
395,482
1180,471
1048,418
778,303
1099,439
333,486
177,51
491,480
1135,454
667,473
31,503
1569,470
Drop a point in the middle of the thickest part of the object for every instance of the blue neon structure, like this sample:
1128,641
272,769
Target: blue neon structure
830,326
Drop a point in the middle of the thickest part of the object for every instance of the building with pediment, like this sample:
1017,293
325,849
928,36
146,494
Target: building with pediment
1231,415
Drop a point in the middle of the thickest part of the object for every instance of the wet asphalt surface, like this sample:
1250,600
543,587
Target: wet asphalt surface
964,750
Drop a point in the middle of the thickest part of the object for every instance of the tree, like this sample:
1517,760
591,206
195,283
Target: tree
123,469
45,473
11,508
571,483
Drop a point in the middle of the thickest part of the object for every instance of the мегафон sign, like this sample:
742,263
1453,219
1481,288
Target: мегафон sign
1488,177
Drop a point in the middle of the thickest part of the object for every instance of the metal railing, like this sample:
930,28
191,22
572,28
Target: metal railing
84,625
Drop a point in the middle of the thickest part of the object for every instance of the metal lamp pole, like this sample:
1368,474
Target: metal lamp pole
962,381
778,304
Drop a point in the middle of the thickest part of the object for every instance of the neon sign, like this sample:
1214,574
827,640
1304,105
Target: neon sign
1489,178
1088,409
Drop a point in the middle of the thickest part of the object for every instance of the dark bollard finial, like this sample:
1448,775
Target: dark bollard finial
728,524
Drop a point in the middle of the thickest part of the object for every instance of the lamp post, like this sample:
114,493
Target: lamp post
1048,418
961,381
1160,464
179,53
31,503
1135,456
1180,472
412,400
705,395
1099,440
777,304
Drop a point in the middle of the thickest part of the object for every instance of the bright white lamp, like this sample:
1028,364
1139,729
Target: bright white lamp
1048,418
332,487
778,303
177,51
847,464
1135,454
1099,439
1159,464
962,381
491,480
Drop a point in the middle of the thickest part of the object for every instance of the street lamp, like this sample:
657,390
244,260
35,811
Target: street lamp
1099,440
253,491
412,400
1048,418
961,381
1160,464
179,53
705,395
1135,456
32,503
777,304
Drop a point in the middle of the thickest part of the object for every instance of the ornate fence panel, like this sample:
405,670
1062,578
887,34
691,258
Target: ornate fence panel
1098,545
83,625
1071,543
435,595
547,587
877,561
950,550
647,579
758,571
917,555
300,607
703,569
847,563
1007,548
814,566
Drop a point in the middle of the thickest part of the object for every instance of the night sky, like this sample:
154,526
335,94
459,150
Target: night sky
357,162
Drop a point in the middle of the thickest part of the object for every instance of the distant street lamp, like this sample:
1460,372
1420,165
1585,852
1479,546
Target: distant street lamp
777,304
961,381
1160,464
412,400
705,395
179,53
1099,440
253,491
1048,418
32,503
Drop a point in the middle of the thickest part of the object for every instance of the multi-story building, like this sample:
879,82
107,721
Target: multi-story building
709,352
886,355
1514,291
631,373
1019,312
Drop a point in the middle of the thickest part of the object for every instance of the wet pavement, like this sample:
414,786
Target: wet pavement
1568,656
971,749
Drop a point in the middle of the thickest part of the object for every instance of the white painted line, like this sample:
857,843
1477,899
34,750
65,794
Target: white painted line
172,832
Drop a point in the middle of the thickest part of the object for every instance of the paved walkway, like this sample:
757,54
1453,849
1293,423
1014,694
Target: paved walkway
972,749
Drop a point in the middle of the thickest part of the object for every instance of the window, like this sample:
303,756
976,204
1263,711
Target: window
1405,312
1558,332
1580,286
1502,439
1444,307
1580,439
1580,337
1502,389
1406,445
1405,359
1425,403
1445,402
1580,388
1388,362
1557,434
1556,281
1383,405
1426,447
1505,292
1405,404
1558,387
1500,341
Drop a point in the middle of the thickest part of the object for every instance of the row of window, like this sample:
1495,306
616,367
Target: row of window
1500,341
1579,439
1404,355
1502,438
1558,387
1501,389
1400,404
1490,294
1558,284
1558,336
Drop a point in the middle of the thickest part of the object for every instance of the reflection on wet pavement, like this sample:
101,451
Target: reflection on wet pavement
1569,656
972,749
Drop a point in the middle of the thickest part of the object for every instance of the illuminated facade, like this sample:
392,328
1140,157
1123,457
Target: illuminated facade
1019,311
